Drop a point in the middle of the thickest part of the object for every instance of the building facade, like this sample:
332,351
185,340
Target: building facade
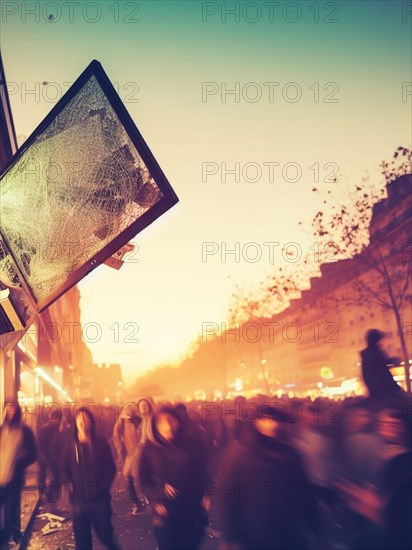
316,341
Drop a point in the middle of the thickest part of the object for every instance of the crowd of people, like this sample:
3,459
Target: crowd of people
270,473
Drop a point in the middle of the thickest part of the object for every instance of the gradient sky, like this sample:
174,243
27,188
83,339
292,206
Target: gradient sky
166,55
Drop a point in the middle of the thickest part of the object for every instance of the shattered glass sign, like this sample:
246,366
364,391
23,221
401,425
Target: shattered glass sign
82,186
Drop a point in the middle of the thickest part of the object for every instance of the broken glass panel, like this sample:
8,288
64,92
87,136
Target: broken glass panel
78,185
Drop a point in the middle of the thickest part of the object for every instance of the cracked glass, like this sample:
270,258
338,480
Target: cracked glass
78,185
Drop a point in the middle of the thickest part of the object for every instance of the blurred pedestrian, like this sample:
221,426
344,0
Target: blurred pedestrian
173,476
195,429
218,435
388,508
47,454
314,446
267,502
18,451
89,468
130,433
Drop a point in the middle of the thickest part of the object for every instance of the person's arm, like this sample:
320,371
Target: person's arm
117,439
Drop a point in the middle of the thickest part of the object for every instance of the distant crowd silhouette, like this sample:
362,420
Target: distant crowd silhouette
267,473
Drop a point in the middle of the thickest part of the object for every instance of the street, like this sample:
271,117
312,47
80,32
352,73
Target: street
134,532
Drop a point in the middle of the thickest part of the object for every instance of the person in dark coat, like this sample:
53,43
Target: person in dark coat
267,501
375,370
359,451
46,437
173,476
90,470
194,429
217,437
389,507
240,404
18,451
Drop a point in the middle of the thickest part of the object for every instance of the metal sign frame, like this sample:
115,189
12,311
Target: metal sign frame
168,199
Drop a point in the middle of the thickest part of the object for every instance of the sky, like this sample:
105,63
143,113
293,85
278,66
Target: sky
245,111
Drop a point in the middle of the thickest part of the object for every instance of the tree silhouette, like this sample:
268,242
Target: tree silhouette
361,228
270,297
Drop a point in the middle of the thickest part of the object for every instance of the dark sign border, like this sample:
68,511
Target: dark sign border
168,199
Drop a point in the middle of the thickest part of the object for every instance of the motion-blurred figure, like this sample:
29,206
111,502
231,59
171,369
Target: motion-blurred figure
361,446
314,446
173,476
358,463
214,438
90,469
193,426
130,433
47,454
18,451
391,430
267,502
388,508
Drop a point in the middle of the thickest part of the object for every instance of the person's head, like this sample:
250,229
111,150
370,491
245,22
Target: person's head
268,421
11,413
167,424
84,424
144,407
374,336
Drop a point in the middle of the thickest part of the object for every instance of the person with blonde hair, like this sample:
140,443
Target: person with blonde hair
130,433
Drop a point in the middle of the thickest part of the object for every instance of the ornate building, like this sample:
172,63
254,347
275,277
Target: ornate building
316,341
